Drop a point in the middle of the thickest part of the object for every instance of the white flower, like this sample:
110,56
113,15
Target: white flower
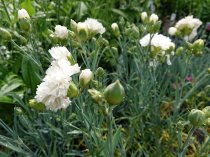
158,40
59,53
53,90
172,31
115,26
85,77
94,26
144,16
23,14
189,23
153,18
145,40
61,32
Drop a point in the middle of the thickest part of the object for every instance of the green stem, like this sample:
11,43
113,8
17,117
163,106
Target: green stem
187,142
5,8
110,135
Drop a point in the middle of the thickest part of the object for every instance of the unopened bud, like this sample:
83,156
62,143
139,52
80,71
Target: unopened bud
4,34
102,41
197,117
18,110
25,24
73,26
73,91
144,16
114,93
172,31
61,32
207,122
100,72
71,59
85,78
198,44
96,96
23,14
82,31
206,111
35,105
116,29
179,51
208,70
153,18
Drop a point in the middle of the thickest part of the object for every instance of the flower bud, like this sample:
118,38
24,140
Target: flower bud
153,18
179,51
25,24
73,26
61,32
172,31
197,117
35,105
102,41
4,34
207,122
114,93
115,29
82,31
71,59
23,14
18,110
198,44
85,77
206,111
144,16
96,96
208,70
100,72
73,91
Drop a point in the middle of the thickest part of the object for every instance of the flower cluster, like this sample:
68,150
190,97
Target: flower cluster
53,90
186,28
161,47
87,29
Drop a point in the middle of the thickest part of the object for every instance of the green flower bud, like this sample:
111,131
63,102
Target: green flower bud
73,26
198,44
208,70
82,31
73,91
5,34
18,110
206,111
144,16
25,24
207,122
102,41
72,34
35,105
179,51
96,96
115,29
100,72
85,78
53,38
197,117
114,93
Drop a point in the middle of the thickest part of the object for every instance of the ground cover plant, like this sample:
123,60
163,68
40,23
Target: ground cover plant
105,78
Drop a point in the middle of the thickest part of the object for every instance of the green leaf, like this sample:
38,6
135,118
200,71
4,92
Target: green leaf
30,73
116,138
28,6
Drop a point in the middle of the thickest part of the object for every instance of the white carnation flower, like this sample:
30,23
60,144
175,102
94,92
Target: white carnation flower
172,31
61,32
94,26
153,18
23,14
59,52
53,90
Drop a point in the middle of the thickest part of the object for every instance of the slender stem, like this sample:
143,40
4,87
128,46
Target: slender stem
5,8
109,124
187,142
